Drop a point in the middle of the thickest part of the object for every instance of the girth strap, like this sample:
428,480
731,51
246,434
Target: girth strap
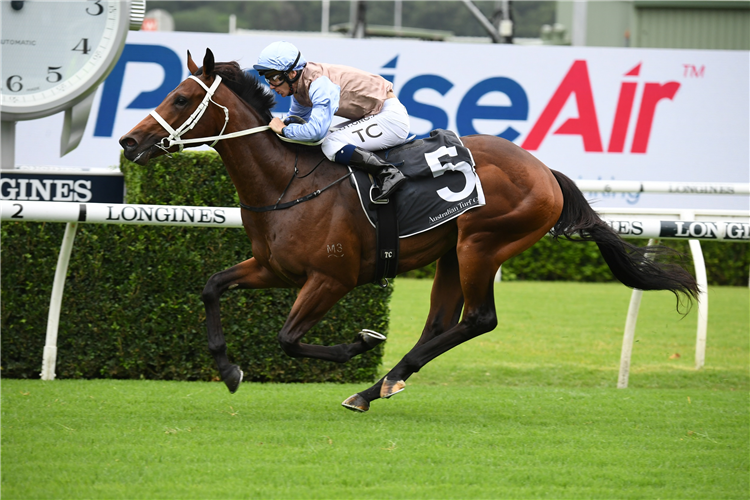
387,242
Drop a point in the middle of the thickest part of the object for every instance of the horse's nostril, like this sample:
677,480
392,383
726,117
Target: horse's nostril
128,142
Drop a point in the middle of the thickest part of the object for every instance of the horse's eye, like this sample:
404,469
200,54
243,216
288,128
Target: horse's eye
180,101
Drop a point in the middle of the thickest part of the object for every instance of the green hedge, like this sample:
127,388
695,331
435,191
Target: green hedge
726,263
132,306
549,260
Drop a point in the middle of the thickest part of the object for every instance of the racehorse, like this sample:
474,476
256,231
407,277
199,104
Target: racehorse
525,200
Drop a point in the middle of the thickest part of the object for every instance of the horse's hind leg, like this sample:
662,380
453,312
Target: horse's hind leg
315,299
446,302
478,263
247,274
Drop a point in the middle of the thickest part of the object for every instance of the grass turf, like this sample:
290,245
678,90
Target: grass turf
528,411
570,335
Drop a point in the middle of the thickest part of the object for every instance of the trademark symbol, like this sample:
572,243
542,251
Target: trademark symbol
693,71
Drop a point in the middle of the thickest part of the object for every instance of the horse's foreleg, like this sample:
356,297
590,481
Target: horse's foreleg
247,274
479,317
446,302
315,299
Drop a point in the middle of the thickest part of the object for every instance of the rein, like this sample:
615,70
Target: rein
175,139
175,136
289,204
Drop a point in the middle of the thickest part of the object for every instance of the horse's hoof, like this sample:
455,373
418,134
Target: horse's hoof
356,403
233,378
389,388
371,337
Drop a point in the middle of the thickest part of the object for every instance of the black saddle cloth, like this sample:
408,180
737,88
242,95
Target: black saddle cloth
442,183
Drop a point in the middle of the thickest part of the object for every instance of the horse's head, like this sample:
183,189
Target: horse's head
186,112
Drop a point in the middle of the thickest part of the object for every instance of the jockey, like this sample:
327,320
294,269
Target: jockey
319,91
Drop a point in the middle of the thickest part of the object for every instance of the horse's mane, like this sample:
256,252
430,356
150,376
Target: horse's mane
247,87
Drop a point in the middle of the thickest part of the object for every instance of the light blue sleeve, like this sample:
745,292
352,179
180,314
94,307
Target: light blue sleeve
325,96
297,109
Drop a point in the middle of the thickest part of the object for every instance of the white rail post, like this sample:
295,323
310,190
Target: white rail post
53,320
701,278
629,335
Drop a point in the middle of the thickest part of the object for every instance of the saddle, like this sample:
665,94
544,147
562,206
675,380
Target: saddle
441,185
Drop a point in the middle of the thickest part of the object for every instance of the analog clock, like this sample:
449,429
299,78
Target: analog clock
56,52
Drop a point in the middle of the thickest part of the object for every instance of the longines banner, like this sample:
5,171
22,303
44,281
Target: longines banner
168,215
62,186
704,230
592,113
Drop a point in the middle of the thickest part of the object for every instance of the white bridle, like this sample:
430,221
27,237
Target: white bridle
175,136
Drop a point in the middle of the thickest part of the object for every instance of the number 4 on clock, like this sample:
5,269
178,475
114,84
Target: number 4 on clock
83,46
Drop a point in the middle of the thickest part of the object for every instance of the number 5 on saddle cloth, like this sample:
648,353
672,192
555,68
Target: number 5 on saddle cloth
442,184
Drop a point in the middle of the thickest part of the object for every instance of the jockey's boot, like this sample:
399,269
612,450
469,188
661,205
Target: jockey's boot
389,177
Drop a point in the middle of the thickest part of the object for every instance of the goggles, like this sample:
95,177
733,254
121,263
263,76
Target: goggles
275,79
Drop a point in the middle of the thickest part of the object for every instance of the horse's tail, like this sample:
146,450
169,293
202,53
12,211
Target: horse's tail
630,264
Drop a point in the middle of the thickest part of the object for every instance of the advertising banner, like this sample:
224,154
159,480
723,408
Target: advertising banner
591,113
185,216
96,186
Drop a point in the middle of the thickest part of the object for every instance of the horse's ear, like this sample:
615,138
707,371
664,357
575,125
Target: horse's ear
192,67
208,63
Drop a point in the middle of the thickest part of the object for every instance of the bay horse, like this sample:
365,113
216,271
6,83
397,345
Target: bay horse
525,200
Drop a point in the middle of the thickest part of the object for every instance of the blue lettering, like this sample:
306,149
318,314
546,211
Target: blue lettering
392,63
158,54
469,110
390,78
433,114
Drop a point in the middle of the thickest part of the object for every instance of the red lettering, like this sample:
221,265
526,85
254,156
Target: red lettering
652,94
635,71
622,117
586,125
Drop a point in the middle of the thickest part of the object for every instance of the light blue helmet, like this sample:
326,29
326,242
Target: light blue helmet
280,56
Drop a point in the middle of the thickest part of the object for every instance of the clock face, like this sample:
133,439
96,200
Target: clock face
54,52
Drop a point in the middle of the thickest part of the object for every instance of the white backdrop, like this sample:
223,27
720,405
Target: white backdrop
592,113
